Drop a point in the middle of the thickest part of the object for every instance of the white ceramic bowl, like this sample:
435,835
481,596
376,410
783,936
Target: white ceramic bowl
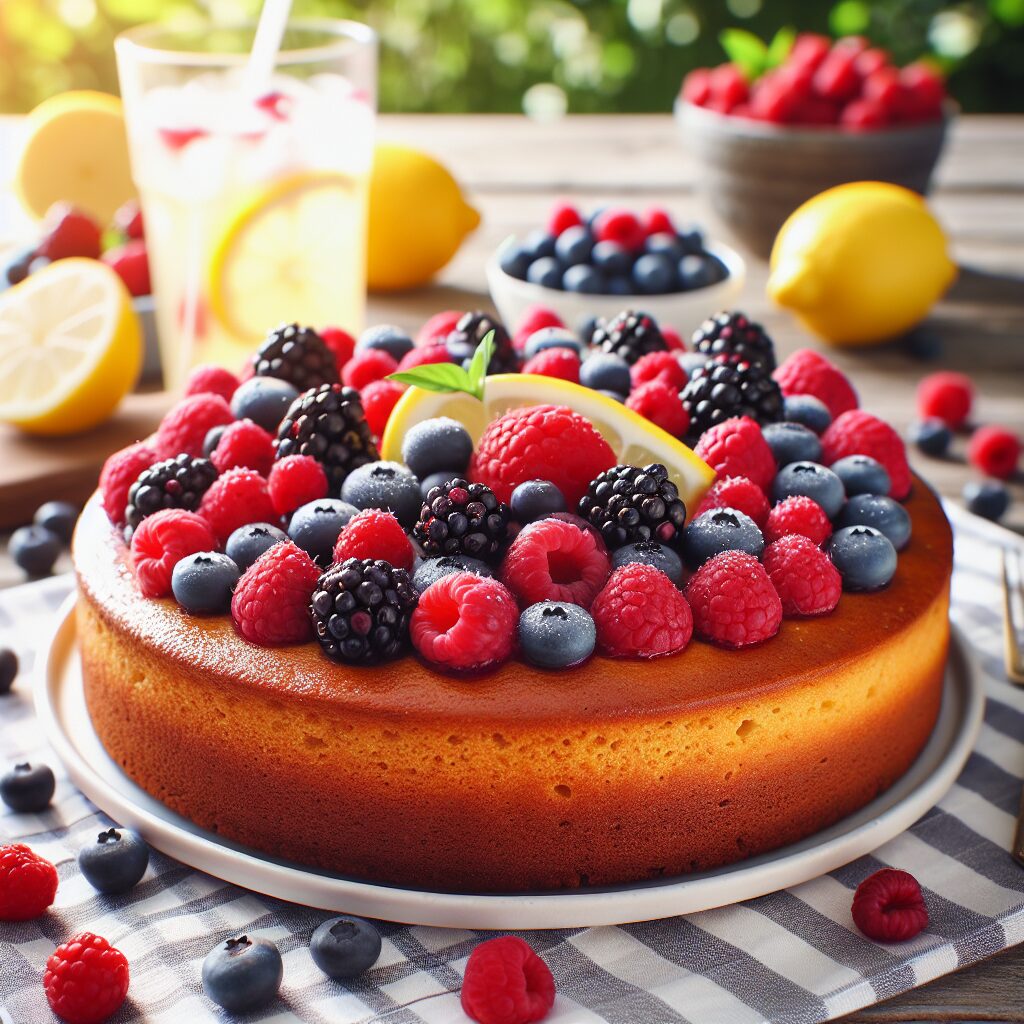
683,311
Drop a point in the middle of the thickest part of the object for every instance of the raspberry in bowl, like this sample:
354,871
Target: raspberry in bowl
766,139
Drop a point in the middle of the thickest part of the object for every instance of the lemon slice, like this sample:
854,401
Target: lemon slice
286,253
635,440
70,347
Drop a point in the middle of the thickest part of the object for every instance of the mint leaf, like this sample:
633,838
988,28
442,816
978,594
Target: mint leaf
480,363
745,50
439,377
779,47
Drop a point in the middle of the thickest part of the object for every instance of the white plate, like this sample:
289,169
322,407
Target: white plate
61,707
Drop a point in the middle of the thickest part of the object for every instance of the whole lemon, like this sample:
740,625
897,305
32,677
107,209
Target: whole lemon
418,218
860,263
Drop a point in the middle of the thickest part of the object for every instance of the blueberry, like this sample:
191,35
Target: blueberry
924,344
619,286
692,240
792,442
247,543
862,474
989,499
538,244
433,445
594,216
8,669
315,527
553,634
612,259
864,557
806,409
514,261
665,243
574,245
212,439
386,337
584,279
264,400
536,499
551,337
438,479
810,478
547,272
931,436
717,530
344,947
885,515
28,787
430,570
654,274
242,974
615,396
586,327
460,350
16,269
204,582
386,485
691,361
603,371
34,549
58,517
650,552
116,861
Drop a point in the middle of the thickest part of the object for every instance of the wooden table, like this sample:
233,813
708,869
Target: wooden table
512,168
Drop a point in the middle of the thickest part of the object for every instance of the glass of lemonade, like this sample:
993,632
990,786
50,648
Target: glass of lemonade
253,186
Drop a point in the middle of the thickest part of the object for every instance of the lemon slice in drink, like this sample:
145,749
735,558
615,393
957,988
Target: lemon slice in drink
285,254
635,440
70,347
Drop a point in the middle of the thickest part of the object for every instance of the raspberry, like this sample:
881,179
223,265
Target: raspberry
555,362
423,356
552,560
119,472
507,983
541,442
464,621
618,225
379,398
235,498
271,601
86,979
800,515
888,906
697,87
735,447
803,576
673,339
28,883
68,231
657,221
183,430
131,263
295,480
995,451
340,342
807,372
211,380
658,366
160,541
375,535
244,445
659,401
859,433
562,216
739,493
369,365
534,319
438,327
945,396
641,614
733,601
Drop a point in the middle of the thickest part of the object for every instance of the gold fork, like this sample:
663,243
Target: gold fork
1013,618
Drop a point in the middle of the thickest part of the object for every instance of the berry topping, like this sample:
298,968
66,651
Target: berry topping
717,392
367,366
28,788
316,526
507,983
657,366
119,472
202,583
739,493
386,338
534,319
297,355
295,480
630,503
462,518
717,530
161,541
536,499
551,337
115,861
235,498
792,442
932,437
806,409
248,542
736,447
472,328
341,344
180,482
733,601
994,450
862,474
271,601
605,372
813,481
884,514
243,974
374,534
379,398
801,515
430,570
424,356
435,445
807,372
385,485
629,335
438,327
732,338
184,428
989,498
555,362
210,379
264,400
888,906
244,445
859,433
86,979
864,556
659,401
806,580
345,947
640,613
650,552
465,621
28,883
945,396
556,634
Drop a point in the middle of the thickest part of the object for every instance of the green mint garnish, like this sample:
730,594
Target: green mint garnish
752,55
447,377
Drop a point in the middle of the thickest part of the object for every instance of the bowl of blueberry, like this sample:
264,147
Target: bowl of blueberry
596,265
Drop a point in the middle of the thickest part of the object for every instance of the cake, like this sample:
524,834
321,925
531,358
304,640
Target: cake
517,778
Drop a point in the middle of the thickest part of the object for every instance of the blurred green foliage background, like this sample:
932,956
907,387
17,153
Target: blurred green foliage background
538,55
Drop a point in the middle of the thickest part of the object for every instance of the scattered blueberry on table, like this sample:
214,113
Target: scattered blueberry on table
28,787
115,861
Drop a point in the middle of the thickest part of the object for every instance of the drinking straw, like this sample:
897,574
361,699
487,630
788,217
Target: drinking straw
266,43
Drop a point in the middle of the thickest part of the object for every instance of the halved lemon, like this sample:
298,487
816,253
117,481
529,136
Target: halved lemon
287,253
635,440
70,347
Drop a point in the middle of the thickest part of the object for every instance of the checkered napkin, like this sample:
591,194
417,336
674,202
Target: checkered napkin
792,957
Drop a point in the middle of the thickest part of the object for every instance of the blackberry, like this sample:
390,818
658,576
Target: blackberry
180,482
460,518
297,355
629,335
361,609
470,331
329,424
718,391
732,338
628,504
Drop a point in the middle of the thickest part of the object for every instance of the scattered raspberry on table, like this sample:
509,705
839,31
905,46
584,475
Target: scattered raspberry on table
28,883
888,906
86,979
507,983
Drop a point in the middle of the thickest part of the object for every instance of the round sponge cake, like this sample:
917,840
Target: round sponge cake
520,779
